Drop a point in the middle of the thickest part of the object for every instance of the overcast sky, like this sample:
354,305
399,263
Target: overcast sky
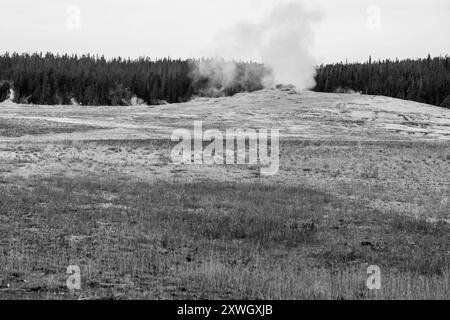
348,29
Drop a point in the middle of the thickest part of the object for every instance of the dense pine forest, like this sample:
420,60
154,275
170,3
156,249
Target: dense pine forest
423,80
92,80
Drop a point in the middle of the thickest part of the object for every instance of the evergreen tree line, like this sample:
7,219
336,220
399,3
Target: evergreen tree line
423,80
92,80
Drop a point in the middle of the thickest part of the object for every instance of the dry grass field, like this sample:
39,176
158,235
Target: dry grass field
362,181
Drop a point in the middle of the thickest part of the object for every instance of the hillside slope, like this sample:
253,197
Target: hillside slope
306,115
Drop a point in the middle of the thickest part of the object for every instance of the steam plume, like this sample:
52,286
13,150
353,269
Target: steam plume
282,41
217,77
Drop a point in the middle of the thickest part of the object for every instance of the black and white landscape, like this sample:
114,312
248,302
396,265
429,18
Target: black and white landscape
207,149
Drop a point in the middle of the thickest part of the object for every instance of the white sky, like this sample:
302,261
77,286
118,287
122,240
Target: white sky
185,28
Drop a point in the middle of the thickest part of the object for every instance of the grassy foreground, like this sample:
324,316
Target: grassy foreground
168,240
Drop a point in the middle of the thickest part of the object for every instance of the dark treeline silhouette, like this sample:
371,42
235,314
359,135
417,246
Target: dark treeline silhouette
423,80
92,80
53,79
4,90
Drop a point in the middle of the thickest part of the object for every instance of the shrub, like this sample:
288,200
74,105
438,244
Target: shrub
446,103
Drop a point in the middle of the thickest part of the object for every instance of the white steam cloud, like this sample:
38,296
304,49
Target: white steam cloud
218,77
282,41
